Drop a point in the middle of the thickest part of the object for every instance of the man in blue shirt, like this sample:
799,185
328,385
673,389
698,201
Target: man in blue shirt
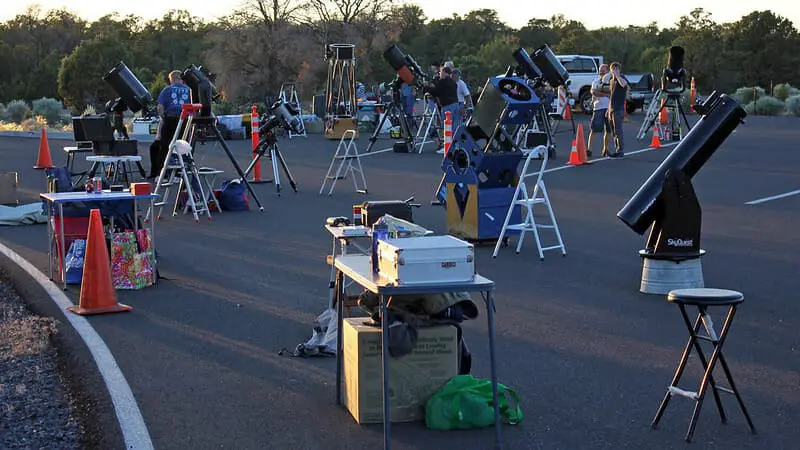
408,101
616,108
170,102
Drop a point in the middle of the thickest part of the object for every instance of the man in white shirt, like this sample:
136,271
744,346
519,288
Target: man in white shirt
464,97
600,122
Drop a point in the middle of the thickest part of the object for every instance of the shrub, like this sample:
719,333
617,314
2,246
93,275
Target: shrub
745,94
781,91
49,108
34,124
16,110
766,106
2,112
793,105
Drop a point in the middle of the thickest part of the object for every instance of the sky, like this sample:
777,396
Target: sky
515,13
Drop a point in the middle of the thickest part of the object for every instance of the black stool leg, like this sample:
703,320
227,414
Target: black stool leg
730,378
702,357
678,373
706,378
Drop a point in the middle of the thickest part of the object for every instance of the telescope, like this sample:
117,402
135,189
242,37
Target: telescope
132,93
673,79
667,204
408,71
201,82
281,114
542,67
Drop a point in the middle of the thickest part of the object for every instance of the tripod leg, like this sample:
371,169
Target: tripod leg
236,166
685,119
274,157
377,132
286,169
259,153
141,169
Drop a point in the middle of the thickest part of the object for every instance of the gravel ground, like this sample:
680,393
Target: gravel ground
35,408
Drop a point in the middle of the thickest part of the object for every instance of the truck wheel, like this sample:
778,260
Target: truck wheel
632,107
585,100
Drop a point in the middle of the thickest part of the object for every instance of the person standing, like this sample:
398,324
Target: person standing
446,93
618,86
170,102
464,97
600,124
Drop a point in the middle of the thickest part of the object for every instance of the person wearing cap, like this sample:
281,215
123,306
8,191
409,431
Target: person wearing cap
446,92
464,97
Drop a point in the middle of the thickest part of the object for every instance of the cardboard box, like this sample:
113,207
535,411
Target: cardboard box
413,378
8,188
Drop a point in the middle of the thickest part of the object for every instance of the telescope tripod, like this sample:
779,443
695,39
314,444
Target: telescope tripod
200,124
675,112
270,144
395,109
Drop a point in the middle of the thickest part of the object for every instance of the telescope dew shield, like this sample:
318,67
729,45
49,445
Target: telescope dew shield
525,63
723,115
553,72
128,87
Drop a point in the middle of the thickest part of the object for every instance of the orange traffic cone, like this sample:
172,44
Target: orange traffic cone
574,157
44,161
581,145
97,290
655,142
567,111
663,118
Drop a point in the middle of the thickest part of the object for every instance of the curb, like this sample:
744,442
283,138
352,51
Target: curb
60,135
100,390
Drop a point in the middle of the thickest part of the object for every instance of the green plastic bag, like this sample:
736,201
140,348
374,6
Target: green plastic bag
465,402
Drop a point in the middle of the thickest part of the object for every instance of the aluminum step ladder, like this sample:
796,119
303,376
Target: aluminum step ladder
346,155
431,120
526,201
652,114
179,168
293,99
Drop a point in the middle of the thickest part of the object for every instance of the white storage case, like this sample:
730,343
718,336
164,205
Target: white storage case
426,260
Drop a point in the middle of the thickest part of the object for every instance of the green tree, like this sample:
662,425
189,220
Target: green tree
80,81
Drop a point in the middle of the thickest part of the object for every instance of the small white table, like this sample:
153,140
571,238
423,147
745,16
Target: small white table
208,175
116,166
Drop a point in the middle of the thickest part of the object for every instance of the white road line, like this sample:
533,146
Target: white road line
134,430
774,197
643,150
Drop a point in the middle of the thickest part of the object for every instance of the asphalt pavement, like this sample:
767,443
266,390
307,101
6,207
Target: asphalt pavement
589,355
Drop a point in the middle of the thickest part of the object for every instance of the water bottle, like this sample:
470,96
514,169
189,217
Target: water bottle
380,230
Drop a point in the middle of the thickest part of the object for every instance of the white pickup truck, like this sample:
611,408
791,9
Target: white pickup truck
583,70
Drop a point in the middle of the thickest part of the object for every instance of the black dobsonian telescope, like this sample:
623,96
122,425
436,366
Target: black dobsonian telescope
666,201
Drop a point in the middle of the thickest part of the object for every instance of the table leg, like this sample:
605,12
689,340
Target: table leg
339,284
50,236
332,284
62,251
385,373
498,430
153,260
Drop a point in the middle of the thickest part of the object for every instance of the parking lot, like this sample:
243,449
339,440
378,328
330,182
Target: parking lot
590,356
